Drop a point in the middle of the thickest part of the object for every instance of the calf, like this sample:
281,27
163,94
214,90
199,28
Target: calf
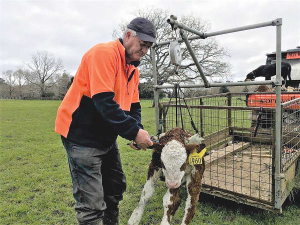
179,163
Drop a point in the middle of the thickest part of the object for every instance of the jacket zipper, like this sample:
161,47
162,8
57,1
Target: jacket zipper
128,80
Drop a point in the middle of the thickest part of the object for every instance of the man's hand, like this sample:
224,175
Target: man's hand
134,146
143,139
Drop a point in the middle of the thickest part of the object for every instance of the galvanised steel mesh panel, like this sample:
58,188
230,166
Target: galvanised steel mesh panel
239,139
290,132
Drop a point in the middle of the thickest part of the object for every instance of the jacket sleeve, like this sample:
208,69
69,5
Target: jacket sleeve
124,125
135,112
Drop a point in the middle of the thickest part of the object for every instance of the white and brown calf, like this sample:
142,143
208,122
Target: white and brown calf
170,157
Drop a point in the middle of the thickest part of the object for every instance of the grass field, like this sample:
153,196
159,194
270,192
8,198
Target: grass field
35,186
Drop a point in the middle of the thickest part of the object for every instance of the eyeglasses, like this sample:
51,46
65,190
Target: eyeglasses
144,45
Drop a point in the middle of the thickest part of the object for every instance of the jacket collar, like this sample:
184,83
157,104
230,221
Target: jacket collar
134,63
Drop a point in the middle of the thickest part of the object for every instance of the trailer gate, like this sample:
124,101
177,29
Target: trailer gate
241,148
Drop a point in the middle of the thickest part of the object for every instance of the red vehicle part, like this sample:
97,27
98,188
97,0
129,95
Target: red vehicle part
269,100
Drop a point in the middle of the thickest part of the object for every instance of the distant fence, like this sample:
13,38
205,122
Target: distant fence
31,98
55,98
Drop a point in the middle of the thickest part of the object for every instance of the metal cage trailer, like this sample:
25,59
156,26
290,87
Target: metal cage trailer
239,132
253,147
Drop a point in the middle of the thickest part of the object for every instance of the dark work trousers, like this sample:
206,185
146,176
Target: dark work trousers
98,180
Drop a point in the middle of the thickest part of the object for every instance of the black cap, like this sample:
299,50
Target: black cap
144,29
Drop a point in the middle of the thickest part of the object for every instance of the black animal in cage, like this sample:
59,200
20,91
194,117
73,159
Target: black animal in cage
268,71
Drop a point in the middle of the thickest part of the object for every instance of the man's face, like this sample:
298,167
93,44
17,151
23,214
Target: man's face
135,48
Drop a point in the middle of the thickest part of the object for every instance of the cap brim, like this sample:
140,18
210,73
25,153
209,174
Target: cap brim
145,37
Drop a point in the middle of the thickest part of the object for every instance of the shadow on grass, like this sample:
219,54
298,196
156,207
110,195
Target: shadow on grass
217,202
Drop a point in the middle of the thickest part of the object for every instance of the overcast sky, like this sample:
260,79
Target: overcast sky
68,29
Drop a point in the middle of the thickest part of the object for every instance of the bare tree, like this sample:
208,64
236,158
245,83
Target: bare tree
42,68
10,80
208,52
19,75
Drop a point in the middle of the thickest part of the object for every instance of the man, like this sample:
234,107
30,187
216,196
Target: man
102,103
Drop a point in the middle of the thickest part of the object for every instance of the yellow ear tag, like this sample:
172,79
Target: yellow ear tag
196,158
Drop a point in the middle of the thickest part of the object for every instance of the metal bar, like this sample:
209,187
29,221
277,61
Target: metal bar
201,118
176,98
248,83
179,40
189,47
295,137
290,102
265,93
278,119
249,27
156,92
219,107
201,35
182,26
229,118
206,96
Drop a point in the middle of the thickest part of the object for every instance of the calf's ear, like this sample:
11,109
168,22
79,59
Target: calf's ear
157,147
190,147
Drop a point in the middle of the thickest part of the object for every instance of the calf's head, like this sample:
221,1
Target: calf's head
174,160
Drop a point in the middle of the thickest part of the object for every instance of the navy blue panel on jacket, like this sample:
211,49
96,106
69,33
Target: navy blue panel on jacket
98,121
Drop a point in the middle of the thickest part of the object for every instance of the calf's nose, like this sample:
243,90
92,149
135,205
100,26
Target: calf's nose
172,185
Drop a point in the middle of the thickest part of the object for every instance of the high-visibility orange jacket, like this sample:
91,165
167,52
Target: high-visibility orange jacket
103,100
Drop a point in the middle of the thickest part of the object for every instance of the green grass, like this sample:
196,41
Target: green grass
35,185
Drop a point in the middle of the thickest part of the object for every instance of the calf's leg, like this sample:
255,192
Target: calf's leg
147,192
193,189
171,202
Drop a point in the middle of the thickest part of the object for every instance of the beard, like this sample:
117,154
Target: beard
131,57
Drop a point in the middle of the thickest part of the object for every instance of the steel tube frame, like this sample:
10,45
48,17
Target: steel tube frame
174,22
249,27
248,83
189,47
201,35
278,119
156,92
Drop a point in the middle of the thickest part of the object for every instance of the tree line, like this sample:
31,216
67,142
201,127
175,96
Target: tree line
44,76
